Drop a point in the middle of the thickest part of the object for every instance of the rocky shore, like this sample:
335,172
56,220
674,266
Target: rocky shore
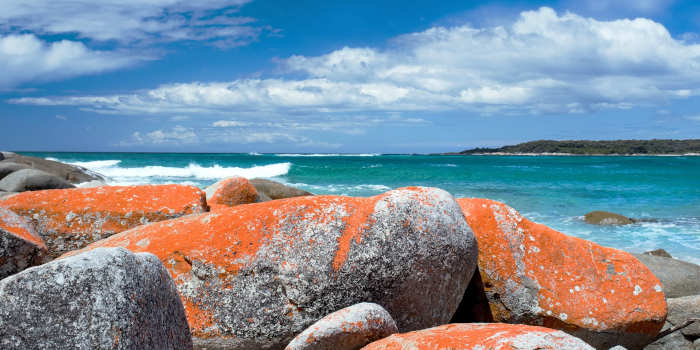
254,264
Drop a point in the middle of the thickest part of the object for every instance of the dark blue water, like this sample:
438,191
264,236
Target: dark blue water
553,190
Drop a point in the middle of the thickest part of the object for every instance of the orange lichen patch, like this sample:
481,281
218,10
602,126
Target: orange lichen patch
231,192
577,284
79,216
15,225
493,336
198,318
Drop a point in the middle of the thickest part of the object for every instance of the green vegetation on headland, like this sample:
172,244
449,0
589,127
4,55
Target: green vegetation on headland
584,147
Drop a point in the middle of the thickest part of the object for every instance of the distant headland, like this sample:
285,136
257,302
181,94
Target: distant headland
585,147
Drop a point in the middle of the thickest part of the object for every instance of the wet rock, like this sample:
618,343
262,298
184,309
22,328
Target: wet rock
72,218
20,246
682,309
102,299
70,173
32,180
256,275
538,276
230,192
348,329
7,168
658,252
607,218
471,336
679,278
276,190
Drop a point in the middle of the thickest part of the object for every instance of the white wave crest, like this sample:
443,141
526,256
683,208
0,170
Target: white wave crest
327,154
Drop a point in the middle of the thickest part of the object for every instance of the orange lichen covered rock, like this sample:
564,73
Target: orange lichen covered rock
254,276
230,192
20,246
474,336
348,329
70,219
535,275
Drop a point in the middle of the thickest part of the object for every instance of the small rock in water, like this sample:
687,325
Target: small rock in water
102,299
20,246
472,336
348,329
607,218
658,252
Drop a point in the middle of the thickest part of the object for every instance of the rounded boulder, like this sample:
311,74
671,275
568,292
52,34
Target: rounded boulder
472,336
230,192
254,276
532,274
32,180
103,299
348,329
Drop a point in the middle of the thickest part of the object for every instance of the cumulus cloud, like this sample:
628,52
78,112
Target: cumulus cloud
27,58
543,62
176,135
129,21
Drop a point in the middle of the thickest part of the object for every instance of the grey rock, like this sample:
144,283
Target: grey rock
673,341
102,299
679,278
348,329
7,168
5,155
682,309
618,347
20,246
71,173
696,344
607,218
32,180
276,190
658,252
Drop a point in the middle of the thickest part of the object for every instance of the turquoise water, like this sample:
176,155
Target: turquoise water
554,190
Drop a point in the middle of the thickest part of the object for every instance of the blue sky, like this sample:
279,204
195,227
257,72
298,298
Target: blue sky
343,76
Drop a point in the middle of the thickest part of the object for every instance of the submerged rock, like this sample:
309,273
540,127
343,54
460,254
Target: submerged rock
348,329
230,192
472,336
607,218
72,218
20,246
535,275
256,275
32,180
275,190
679,278
102,299
658,252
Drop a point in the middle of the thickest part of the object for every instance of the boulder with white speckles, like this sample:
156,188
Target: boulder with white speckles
534,275
254,276
473,336
70,219
102,299
348,329
20,246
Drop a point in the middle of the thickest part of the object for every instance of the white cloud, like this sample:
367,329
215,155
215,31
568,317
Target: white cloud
132,20
176,135
26,58
543,62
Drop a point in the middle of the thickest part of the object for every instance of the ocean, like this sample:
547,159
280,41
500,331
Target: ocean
553,190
